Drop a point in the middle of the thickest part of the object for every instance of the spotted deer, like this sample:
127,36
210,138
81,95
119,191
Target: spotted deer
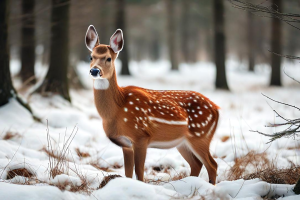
135,118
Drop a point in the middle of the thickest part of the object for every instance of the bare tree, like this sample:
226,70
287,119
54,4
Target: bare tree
7,90
171,33
219,46
276,47
56,80
185,6
27,43
120,7
251,38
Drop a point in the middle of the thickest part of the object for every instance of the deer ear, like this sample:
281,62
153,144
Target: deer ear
117,41
91,38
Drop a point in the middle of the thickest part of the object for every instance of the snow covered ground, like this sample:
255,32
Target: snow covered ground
242,109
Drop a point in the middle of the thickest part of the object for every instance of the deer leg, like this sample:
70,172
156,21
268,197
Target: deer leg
140,151
128,161
203,154
193,161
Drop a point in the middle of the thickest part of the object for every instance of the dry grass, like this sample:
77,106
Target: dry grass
82,154
264,169
19,172
9,135
259,161
108,178
58,163
277,176
167,170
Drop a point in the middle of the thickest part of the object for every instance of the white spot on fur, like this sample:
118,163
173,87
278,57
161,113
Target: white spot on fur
130,102
125,119
171,122
137,108
125,109
200,112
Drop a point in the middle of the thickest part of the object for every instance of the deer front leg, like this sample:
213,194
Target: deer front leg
128,161
140,151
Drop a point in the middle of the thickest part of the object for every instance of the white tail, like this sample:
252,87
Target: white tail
137,118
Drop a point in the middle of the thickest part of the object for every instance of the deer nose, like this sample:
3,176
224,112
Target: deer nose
95,72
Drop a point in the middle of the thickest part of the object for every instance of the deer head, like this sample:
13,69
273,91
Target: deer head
102,67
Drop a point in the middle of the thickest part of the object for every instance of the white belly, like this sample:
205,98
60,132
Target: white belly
166,144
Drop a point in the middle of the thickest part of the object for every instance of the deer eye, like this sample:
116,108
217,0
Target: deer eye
108,59
91,58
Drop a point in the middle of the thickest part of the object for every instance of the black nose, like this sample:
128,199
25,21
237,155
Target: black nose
94,71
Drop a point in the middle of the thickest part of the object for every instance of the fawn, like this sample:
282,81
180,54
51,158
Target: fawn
135,118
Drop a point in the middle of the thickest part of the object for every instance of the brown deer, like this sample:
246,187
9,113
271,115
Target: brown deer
135,118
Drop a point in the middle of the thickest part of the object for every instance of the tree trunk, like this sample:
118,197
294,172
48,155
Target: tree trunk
219,46
251,42
56,80
28,43
7,90
185,30
297,187
276,47
171,33
120,23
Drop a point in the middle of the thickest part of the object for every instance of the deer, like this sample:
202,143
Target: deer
136,118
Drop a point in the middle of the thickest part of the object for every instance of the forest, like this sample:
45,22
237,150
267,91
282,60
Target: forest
149,99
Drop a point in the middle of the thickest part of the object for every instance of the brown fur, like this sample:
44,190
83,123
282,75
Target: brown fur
137,118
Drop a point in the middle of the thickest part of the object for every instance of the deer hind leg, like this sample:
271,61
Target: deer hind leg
128,161
201,151
193,161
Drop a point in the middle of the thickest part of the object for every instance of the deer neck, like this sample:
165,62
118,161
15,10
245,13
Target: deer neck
108,97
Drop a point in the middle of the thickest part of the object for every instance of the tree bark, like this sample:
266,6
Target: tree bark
7,90
28,42
219,45
171,33
276,47
56,80
185,30
251,42
120,23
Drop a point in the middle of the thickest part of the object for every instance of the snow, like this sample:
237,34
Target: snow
242,109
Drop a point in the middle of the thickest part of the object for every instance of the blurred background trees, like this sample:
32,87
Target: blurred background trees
27,48
50,33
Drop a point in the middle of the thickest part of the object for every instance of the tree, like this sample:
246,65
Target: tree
7,90
219,46
251,38
56,80
276,47
27,42
171,33
120,23
185,5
